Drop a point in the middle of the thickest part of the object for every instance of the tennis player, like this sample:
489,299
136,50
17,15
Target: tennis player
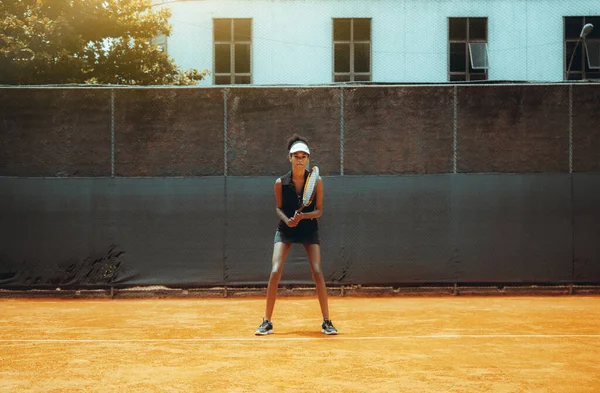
299,228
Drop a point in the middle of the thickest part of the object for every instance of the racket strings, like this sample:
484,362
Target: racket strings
309,189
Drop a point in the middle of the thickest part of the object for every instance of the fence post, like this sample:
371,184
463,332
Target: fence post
112,132
342,125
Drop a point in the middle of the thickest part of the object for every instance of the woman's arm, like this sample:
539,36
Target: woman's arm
279,203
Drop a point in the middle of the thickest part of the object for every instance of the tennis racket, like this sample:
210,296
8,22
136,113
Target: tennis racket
310,188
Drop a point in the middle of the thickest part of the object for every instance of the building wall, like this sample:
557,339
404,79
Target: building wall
292,38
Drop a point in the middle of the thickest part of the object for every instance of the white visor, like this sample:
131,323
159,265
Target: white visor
299,146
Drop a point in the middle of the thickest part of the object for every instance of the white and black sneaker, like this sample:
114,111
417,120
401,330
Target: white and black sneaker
328,328
266,327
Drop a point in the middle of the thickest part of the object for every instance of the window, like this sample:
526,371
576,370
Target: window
232,51
161,42
584,53
351,49
468,50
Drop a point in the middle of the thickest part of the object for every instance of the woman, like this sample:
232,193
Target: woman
297,227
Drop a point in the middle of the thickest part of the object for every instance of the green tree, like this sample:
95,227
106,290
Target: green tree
86,41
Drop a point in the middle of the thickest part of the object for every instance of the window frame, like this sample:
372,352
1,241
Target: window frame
232,42
467,73
352,74
581,72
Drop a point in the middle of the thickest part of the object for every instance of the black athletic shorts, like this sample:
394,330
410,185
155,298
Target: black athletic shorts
311,237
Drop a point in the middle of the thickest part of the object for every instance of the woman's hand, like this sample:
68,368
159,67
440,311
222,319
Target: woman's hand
293,221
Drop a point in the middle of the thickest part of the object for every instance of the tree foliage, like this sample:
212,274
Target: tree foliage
86,41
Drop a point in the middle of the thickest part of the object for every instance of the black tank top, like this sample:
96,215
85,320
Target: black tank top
290,202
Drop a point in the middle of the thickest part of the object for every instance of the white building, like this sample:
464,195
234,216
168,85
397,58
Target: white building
307,42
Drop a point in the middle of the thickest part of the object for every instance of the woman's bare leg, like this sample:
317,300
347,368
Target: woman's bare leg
314,258
280,253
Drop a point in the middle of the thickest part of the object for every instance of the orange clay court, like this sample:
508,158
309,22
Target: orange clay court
386,344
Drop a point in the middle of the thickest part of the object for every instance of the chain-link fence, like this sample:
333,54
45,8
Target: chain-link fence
424,185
